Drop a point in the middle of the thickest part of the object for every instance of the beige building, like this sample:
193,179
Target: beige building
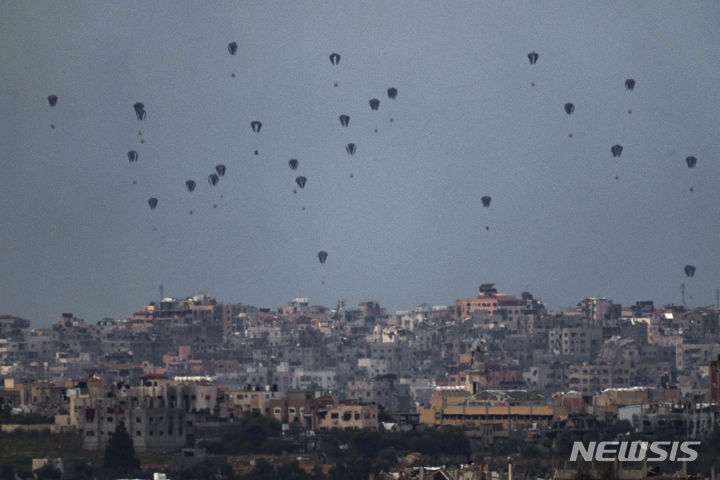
347,416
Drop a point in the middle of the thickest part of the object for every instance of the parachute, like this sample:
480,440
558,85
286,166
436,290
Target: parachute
139,111
153,203
392,93
301,181
293,163
374,103
213,179
256,126
569,108
689,270
334,58
691,161
533,57
616,150
344,120
132,156
52,100
486,201
350,148
220,169
190,184
629,84
232,48
322,256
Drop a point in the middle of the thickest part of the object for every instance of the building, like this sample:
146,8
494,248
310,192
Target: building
714,381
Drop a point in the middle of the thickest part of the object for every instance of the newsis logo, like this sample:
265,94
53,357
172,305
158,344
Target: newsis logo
636,451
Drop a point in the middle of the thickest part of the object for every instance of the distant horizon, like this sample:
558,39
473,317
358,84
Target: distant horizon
352,306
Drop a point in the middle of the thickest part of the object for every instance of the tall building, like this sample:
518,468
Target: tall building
714,381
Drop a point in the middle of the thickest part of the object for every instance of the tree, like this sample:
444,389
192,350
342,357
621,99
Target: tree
7,473
48,472
120,452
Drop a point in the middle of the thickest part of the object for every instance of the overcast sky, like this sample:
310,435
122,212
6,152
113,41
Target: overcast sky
408,226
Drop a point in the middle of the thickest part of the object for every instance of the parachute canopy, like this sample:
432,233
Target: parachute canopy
232,48
689,270
301,181
533,57
374,103
691,161
350,148
293,163
132,156
139,110
334,58
220,169
392,93
190,184
616,150
52,100
322,256
213,179
256,126
344,120
629,84
153,203
569,108
486,201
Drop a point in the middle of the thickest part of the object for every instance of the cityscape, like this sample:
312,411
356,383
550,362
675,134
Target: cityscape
490,385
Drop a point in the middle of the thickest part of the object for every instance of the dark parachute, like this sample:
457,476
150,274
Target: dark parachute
132,156
616,150
190,184
153,203
213,179
52,100
392,93
232,48
374,103
322,256
350,148
220,169
301,181
256,126
533,57
569,108
139,111
629,84
293,163
334,58
689,270
691,161
486,201
344,120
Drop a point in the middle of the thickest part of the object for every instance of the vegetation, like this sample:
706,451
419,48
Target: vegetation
120,452
254,434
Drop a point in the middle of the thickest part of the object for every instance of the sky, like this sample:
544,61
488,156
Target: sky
401,219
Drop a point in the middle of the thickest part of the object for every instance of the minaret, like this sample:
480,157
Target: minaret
477,376
341,310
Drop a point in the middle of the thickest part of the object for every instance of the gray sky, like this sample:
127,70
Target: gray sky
409,227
